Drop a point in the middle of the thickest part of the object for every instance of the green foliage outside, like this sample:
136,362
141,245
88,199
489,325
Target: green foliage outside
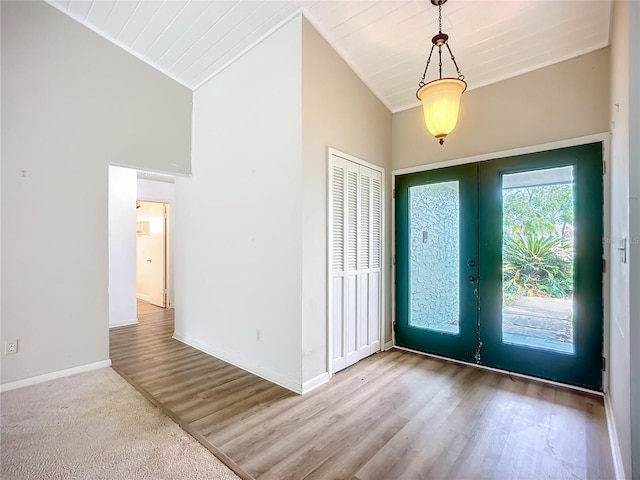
538,241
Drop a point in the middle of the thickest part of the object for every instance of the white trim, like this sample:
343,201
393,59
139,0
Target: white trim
315,382
618,465
389,345
498,370
571,142
383,253
329,299
334,152
124,323
138,168
351,158
143,297
606,254
393,258
5,387
270,32
268,375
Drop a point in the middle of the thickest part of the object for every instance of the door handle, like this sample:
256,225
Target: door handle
149,260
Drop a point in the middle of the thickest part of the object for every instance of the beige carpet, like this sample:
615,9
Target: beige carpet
96,426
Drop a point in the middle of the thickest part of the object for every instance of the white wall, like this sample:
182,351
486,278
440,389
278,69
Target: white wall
619,372
155,191
164,192
238,226
122,246
72,103
338,111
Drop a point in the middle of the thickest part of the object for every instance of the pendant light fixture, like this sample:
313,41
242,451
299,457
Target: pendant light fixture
441,98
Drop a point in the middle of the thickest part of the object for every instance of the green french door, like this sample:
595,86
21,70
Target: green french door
500,263
437,261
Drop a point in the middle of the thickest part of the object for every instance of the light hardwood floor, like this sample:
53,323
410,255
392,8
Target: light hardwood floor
394,415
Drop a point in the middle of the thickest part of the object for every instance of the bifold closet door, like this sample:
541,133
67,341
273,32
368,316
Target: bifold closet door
356,221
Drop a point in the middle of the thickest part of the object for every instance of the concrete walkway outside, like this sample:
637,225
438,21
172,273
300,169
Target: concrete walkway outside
539,322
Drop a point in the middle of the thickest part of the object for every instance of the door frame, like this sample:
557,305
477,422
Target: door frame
572,142
169,239
383,232
166,290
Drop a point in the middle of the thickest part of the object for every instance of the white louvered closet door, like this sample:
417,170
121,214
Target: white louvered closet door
356,222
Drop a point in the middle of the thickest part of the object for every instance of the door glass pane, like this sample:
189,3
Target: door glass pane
434,280
538,258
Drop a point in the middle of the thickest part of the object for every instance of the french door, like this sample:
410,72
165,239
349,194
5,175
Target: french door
500,263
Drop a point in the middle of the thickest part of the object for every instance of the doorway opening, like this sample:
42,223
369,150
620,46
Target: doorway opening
140,232
152,253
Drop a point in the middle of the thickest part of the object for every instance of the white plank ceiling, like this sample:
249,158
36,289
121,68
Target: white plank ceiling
385,42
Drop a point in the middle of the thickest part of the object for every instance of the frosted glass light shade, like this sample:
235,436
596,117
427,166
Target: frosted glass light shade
440,105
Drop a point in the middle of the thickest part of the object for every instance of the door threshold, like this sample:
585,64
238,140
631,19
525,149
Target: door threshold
506,372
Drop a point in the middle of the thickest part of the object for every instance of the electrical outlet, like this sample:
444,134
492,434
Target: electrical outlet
11,347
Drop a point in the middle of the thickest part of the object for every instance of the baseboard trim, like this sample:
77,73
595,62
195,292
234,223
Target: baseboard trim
618,466
267,375
5,387
388,345
315,382
124,323
140,296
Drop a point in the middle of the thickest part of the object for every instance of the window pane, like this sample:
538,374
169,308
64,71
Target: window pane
538,258
434,279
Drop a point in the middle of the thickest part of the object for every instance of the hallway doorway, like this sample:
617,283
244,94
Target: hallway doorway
140,211
152,252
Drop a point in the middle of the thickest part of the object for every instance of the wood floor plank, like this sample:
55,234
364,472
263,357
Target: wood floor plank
394,415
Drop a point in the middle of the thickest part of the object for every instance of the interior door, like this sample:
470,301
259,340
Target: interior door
500,263
151,249
437,261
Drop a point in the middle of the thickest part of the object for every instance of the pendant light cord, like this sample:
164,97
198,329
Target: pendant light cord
440,33
424,74
446,42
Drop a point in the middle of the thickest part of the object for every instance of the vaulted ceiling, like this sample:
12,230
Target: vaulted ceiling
385,42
